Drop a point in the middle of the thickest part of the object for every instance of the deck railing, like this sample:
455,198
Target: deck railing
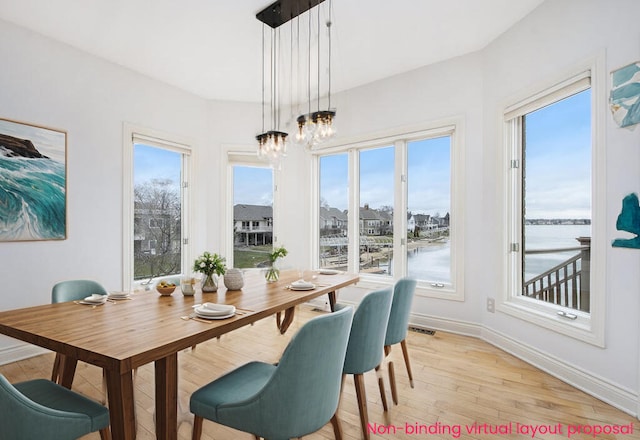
566,284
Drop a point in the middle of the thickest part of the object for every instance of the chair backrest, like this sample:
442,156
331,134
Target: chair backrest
365,349
302,394
72,290
400,308
22,418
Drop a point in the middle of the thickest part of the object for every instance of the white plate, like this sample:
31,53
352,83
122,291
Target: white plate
304,287
328,272
211,309
229,315
119,295
95,300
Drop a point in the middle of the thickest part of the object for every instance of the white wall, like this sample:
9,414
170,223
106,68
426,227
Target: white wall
52,84
554,38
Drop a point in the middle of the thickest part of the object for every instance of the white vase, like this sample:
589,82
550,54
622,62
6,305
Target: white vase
233,279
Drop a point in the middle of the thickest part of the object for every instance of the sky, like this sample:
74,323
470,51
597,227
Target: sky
558,161
428,177
155,163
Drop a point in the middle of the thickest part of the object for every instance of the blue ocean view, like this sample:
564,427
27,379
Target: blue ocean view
432,262
32,199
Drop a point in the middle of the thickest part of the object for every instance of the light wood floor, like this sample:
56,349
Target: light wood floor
458,381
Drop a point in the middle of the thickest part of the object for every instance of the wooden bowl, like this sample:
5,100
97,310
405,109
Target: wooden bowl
165,291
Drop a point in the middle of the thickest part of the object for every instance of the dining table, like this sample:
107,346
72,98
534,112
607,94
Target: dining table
123,334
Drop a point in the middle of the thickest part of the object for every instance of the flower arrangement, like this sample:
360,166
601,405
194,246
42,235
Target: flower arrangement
277,253
209,263
273,273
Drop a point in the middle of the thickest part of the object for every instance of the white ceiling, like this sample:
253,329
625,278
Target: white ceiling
212,48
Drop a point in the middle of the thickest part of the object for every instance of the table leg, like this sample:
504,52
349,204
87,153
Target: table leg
167,397
68,368
332,300
121,405
287,320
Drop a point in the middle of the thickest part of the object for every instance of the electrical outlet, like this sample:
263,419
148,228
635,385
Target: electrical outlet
491,305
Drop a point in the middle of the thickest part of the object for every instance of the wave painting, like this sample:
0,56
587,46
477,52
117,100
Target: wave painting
32,183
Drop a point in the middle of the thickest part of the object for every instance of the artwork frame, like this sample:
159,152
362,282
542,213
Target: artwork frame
624,98
33,182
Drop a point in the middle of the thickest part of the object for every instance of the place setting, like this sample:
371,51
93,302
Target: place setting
209,312
301,285
118,296
94,300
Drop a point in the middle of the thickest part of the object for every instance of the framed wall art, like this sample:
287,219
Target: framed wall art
624,98
33,182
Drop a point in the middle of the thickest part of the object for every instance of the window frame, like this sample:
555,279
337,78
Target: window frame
587,327
156,138
400,139
234,155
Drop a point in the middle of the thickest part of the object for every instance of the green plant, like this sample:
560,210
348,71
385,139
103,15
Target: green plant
209,263
278,253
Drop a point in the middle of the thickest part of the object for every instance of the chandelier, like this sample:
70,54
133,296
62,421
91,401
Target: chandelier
316,127
313,127
272,144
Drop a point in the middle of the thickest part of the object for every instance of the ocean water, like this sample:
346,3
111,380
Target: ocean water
432,262
32,199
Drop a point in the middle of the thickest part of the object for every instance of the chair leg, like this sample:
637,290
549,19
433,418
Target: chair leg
392,382
197,427
383,394
105,433
405,353
337,427
362,403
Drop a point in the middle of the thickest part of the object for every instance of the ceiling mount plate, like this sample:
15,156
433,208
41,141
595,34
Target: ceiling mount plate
282,11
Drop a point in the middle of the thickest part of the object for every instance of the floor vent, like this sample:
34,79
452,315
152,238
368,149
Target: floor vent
424,331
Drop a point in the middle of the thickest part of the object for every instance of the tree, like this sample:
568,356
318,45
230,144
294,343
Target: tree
157,232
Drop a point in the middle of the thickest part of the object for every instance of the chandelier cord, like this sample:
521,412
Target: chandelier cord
263,61
318,58
329,64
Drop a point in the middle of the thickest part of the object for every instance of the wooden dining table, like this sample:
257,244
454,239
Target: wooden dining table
122,335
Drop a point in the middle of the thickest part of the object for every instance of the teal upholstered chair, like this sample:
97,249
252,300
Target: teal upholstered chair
40,409
296,397
74,290
364,352
403,293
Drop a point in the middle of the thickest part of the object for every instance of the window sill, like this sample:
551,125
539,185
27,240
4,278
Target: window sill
582,327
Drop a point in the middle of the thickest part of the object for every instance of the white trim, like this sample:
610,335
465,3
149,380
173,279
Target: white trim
19,352
180,144
588,327
619,397
241,155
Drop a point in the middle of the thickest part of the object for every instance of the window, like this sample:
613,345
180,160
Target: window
375,215
551,264
333,213
429,207
252,234
156,207
409,173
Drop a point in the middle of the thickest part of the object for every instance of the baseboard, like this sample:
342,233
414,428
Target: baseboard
20,352
624,399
